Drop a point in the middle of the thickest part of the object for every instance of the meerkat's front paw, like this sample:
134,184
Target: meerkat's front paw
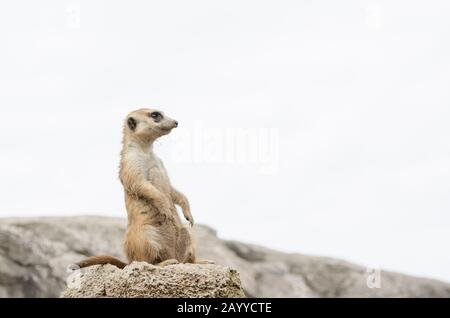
171,261
205,261
190,219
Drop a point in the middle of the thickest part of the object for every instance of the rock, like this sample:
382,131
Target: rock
140,279
35,252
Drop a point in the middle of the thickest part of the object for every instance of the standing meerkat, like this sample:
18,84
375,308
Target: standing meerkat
155,232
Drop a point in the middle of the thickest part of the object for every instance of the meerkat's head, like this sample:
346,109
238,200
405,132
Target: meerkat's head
149,124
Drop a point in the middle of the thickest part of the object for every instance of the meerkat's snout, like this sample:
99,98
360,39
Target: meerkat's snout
168,125
173,123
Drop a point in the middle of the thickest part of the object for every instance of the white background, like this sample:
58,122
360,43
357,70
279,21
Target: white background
358,92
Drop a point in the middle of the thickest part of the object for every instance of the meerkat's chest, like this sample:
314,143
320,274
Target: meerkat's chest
155,173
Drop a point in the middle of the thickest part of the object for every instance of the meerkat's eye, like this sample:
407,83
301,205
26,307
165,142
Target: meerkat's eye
157,116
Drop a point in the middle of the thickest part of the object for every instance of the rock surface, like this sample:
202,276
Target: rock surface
140,279
35,253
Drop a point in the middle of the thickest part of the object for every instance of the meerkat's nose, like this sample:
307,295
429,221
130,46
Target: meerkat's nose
176,123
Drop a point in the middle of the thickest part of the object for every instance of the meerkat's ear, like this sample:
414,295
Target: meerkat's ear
132,123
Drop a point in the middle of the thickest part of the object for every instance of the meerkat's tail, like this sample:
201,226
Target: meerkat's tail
101,260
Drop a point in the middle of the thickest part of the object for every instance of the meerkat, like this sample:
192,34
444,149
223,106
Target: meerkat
155,232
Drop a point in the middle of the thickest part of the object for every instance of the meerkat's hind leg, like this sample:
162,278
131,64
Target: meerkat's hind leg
192,259
186,247
171,261
204,261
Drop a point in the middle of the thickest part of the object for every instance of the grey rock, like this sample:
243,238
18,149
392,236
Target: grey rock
35,254
140,279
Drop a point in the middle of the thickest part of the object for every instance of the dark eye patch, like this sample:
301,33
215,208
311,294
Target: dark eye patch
157,116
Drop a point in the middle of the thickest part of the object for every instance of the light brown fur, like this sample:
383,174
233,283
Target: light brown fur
155,232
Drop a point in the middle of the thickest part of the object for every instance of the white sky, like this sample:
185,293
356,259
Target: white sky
356,93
